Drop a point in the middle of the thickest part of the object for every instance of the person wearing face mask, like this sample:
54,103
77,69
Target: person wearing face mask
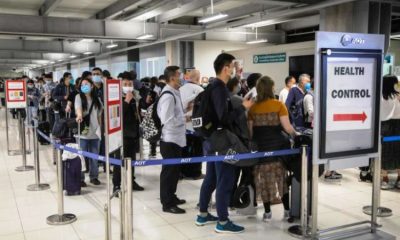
173,139
294,101
242,131
130,131
63,90
87,103
48,89
33,102
220,176
194,147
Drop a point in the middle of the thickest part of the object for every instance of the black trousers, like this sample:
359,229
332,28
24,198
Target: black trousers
194,148
169,176
130,147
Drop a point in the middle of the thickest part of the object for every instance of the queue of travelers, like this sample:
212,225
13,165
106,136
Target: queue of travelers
248,110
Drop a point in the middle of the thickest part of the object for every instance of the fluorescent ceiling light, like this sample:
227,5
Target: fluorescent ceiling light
86,40
87,53
60,60
257,41
213,17
52,62
112,45
145,36
72,56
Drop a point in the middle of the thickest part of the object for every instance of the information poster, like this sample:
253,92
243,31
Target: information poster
349,102
16,94
114,110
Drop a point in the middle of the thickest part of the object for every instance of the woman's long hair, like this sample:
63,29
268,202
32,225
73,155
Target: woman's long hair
93,96
265,89
388,90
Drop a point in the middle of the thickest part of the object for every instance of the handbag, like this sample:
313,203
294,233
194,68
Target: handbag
84,128
224,142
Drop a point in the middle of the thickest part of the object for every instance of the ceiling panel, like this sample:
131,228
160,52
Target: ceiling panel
81,7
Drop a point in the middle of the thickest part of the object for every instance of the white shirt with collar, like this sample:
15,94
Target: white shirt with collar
170,112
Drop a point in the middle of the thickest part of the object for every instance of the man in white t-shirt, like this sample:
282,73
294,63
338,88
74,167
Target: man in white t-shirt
289,82
189,92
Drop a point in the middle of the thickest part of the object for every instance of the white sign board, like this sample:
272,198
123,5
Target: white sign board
350,91
114,110
16,94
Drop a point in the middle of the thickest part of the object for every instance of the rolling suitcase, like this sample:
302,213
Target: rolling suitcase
72,169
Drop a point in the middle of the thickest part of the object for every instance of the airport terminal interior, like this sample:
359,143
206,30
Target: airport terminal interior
234,119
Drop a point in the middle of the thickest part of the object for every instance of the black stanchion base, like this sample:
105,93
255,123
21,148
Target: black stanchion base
297,232
24,168
64,219
382,211
38,187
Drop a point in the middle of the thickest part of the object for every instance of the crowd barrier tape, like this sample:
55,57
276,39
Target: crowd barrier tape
175,161
391,139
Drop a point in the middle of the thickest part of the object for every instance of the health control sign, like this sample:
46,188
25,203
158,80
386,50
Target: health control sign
349,102
349,98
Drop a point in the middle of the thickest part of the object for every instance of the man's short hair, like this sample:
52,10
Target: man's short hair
221,61
252,79
97,69
170,72
304,75
287,79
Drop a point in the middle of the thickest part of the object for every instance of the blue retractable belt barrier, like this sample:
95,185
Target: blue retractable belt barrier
174,161
391,139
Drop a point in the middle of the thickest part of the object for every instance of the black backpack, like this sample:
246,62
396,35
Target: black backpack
151,124
202,107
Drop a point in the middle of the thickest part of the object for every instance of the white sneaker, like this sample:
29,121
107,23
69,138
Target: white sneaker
386,185
267,217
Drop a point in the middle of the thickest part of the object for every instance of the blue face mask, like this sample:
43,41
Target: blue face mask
308,87
72,81
85,89
97,79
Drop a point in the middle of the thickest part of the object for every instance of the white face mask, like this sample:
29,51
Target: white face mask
125,90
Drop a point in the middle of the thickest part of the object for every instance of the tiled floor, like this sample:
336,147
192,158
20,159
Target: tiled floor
23,214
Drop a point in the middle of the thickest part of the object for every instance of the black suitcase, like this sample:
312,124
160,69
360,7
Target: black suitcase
45,128
72,169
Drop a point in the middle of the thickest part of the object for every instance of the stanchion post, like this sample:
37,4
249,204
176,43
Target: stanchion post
60,218
123,197
376,193
37,186
128,198
24,167
302,230
314,202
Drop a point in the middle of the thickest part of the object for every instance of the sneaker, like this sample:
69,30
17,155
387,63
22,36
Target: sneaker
83,184
267,217
332,177
398,184
201,221
386,185
229,227
340,176
136,186
95,181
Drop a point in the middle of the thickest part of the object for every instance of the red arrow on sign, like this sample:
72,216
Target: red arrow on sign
349,117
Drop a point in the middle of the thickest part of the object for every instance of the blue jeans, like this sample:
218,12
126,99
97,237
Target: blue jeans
32,116
93,146
220,176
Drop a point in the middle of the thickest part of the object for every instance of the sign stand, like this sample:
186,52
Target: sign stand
15,99
113,140
348,75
